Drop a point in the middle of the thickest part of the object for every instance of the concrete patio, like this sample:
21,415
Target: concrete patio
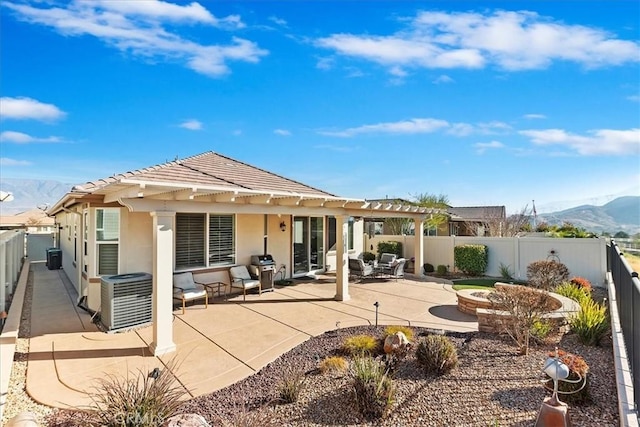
219,345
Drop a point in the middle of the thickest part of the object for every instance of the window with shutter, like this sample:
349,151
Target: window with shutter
221,240
107,240
190,239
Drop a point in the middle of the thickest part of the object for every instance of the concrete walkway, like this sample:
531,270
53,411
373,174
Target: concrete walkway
216,346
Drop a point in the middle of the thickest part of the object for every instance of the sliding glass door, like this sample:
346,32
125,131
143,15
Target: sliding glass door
308,245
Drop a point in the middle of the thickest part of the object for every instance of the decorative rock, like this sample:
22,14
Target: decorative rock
395,342
186,420
23,419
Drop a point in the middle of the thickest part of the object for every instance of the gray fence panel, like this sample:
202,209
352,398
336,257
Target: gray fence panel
37,245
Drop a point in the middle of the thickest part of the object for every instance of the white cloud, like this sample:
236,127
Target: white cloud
237,132
191,124
509,40
26,108
325,63
139,28
282,132
596,142
534,116
5,161
398,72
23,138
634,98
278,21
407,127
484,146
443,78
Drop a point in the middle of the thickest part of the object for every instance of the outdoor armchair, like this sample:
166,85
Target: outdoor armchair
186,289
395,269
359,269
240,278
386,259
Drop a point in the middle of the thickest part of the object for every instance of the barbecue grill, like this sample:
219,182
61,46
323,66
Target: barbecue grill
263,267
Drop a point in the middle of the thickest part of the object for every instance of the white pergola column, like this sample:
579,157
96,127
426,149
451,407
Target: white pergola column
162,283
418,245
342,259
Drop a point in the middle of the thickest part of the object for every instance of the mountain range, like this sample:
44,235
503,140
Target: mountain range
620,214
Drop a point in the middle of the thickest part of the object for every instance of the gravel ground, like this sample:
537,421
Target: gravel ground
492,386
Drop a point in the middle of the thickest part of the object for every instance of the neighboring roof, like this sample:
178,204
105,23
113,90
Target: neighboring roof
476,213
211,177
33,218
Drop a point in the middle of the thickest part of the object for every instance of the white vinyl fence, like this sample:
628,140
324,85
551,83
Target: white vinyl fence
583,257
11,256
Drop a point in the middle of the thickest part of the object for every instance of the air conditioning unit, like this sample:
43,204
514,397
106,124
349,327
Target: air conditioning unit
126,300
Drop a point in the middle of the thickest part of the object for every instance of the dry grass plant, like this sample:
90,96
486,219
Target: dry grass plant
333,364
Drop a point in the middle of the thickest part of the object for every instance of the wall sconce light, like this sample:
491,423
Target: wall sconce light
283,226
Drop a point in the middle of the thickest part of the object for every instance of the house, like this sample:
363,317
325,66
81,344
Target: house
460,221
476,220
32,221
207,213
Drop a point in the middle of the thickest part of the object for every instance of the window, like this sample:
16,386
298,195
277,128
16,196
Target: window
200,246
221,240
107,240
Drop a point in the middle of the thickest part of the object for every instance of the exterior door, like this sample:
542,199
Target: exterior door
308,245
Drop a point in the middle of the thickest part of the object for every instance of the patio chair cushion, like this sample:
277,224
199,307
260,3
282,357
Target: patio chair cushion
183,283
386,258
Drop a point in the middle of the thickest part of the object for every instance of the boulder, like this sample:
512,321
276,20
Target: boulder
396,342
186,420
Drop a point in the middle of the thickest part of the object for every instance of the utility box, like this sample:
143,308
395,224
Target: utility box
54,259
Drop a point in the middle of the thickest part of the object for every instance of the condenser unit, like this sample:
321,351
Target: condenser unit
126,300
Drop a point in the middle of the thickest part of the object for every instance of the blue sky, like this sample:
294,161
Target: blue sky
487,103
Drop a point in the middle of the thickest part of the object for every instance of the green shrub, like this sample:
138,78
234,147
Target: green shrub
139,400
333,364
569,290
471,259
505,272
590,324
291,385
390,248
428,268
578,368
582,283
361,344
546,274
541,329
392,329
373,387
441,269
437,354
368,256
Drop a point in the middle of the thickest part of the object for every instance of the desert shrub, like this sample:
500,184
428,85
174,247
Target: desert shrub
428,268
138,400
333,364
471,259
582,283
578,368
505,271
392,329
546,274
291,385
441,269
525,307
368,256
390,248
361,344
569,290
437,354
373,388
590,324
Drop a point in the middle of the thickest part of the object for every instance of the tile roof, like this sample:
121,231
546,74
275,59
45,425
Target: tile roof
209,168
